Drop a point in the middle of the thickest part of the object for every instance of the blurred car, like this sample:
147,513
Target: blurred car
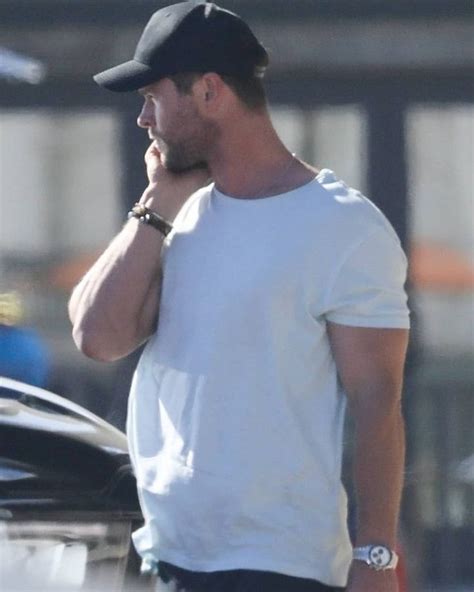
68,500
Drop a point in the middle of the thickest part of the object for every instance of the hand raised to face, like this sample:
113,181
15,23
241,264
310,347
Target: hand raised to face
167,191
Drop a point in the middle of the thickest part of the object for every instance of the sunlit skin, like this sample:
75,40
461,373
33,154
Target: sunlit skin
181,133
212,127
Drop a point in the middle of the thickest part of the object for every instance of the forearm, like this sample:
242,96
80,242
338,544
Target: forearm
379,457
114,308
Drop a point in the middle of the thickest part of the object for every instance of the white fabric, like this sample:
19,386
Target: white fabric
236,414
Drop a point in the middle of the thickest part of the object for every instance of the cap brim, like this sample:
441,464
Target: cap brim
127,77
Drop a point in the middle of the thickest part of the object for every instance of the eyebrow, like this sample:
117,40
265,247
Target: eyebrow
145,90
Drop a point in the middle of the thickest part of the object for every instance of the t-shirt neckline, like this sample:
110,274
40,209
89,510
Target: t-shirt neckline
231,199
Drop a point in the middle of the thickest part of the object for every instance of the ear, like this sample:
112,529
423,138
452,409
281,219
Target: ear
210,92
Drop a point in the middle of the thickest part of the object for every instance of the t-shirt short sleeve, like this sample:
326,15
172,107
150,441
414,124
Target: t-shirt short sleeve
367,287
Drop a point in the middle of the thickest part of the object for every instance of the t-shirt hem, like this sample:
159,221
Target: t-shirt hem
375,322
289,569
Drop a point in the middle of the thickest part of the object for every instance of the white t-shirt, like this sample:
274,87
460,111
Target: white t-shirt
236,414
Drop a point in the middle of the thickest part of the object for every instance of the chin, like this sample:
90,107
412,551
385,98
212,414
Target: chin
180,166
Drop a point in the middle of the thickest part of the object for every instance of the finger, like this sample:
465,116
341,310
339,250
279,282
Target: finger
153,152
153,147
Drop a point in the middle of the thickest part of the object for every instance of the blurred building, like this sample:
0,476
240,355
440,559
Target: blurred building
380,91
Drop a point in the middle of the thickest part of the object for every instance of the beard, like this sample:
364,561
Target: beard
177,158
179,155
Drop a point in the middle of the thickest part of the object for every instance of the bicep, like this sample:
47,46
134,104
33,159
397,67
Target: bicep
370,361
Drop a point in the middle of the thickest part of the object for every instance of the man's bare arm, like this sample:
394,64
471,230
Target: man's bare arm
370,364
115,306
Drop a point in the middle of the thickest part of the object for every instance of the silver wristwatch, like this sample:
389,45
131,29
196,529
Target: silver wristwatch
376,557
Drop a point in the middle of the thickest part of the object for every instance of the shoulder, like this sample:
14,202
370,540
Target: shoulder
351,216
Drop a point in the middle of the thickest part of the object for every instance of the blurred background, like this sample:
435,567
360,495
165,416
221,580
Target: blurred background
382,92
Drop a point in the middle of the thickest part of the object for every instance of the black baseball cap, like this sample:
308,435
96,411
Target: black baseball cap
191,36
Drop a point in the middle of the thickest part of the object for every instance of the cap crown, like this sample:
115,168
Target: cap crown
199,36
191,36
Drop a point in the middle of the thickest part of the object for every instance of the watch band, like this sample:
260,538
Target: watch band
378,557
147,216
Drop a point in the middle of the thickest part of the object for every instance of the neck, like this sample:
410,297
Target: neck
249,157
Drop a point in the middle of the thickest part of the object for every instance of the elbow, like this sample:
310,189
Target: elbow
92,345
103,344
381,417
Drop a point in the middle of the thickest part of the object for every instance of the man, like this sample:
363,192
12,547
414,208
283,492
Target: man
267,297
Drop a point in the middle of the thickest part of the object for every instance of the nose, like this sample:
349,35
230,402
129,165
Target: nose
146,118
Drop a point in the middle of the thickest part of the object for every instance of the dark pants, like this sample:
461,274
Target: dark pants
176,579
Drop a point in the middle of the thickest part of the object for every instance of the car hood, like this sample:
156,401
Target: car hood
54,454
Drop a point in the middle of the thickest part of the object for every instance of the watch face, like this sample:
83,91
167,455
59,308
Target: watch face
380,556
